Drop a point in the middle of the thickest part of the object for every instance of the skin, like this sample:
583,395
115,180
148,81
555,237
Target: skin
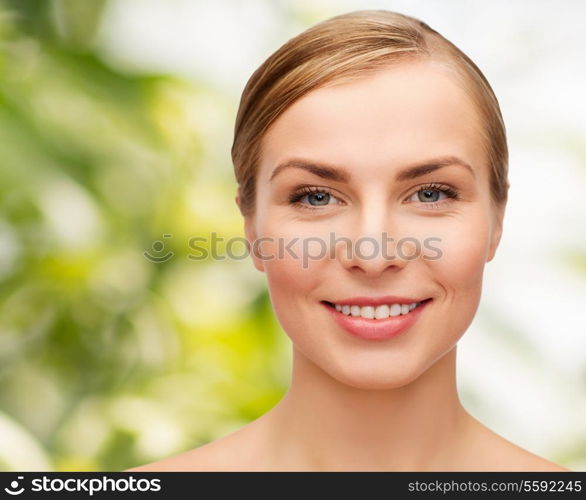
357,404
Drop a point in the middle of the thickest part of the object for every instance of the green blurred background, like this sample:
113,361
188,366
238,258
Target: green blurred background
108,359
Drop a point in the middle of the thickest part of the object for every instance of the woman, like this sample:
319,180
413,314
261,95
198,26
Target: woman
374,150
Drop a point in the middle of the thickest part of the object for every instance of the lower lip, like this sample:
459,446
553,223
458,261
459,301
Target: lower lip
376,329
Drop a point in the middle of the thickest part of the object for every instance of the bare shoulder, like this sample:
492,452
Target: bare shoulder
237,451
203,458
496,453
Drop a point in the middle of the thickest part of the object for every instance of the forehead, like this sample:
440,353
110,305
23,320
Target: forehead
407,112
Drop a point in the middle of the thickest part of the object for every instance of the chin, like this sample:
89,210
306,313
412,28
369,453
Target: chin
387,371
375,383
376,376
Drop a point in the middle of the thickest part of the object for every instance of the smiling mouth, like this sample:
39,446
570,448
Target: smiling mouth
383,311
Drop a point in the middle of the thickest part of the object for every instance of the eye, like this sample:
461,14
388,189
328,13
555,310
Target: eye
434,195
426,195
313,197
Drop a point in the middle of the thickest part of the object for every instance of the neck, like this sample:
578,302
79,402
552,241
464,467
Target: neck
323,424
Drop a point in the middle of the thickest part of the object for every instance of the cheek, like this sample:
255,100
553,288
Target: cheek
293,273
459,270
464,250
454,249
289,286
457,275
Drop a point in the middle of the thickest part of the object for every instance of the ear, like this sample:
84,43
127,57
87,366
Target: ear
250,235
497,230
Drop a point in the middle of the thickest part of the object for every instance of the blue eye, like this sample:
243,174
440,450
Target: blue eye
319,198
312,197
425,195
433,195
429,195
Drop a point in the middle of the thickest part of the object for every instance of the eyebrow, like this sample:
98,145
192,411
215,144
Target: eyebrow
332,173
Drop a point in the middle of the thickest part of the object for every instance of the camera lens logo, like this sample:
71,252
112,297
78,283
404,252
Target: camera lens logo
13,490
157,248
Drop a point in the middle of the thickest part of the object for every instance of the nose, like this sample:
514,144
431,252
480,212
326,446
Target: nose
371,256
374,246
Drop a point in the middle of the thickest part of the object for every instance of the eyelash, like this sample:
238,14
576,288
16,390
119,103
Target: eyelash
450,192
302,191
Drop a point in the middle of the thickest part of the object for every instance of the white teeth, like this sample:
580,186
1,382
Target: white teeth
379,312
367,312
395,309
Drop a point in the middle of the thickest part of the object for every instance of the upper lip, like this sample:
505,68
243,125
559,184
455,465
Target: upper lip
376,301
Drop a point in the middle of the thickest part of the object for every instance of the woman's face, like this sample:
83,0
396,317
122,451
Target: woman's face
368,138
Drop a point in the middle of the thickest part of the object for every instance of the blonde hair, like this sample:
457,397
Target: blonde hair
347,47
